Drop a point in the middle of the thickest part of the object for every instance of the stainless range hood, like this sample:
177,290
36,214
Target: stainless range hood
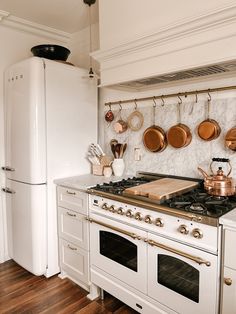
214,70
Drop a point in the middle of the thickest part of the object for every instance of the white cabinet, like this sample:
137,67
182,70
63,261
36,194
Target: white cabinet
229,273
73,230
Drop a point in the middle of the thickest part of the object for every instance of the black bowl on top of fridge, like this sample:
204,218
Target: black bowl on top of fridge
53,52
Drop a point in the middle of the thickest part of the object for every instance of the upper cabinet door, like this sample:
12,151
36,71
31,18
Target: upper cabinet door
25,120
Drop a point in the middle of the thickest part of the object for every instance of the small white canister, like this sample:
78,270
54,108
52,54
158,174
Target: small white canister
107,171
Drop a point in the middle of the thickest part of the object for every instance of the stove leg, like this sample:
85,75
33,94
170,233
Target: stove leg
94,292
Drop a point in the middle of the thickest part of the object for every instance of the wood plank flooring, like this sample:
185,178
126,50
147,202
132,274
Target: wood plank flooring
21,292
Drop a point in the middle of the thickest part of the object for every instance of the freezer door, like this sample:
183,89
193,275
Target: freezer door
25,122
26,225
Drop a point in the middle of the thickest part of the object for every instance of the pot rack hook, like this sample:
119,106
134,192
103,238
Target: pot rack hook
196,97
163,102
154,101
180,100
120,106
109,106
209,95
136,106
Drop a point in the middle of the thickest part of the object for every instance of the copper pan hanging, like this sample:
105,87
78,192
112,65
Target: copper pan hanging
230,139
208,129
154,138
179,135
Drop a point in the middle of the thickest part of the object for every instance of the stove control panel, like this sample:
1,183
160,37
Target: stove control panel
179,228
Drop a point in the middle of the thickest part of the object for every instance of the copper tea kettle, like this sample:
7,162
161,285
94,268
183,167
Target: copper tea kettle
219,184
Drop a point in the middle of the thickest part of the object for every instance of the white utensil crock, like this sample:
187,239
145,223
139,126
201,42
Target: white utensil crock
118,167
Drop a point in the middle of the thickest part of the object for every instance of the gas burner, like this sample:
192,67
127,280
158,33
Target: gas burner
196,207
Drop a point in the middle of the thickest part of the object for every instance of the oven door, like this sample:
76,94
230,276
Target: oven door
181,277
118,250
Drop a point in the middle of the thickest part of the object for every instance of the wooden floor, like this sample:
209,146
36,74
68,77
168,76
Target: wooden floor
22,292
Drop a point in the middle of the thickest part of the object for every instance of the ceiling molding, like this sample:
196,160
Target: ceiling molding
12,21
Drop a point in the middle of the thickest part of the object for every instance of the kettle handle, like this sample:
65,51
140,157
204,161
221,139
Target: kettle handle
221,160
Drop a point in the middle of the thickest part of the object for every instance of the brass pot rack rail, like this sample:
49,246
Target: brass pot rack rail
196,92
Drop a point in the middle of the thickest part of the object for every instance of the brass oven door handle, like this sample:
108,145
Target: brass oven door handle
130,234
196,259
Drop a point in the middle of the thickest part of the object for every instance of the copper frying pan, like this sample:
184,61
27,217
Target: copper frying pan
154,138
179,135
208,129
230,139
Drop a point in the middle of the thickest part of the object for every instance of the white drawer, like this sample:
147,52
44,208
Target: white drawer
73,227
72,199
74,261
230,252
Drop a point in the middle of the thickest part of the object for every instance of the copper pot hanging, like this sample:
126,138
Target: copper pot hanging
208,129
179,135
154,137
230,139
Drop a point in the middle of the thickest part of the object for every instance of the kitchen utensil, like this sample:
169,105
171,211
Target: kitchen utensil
53,52
154,138
162,189
208,129
179,135
109,116
230,139
217,183
120,126
135,119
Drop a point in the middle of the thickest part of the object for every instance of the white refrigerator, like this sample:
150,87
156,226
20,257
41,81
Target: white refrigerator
50,120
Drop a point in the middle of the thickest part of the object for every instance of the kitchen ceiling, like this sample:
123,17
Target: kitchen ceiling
69,16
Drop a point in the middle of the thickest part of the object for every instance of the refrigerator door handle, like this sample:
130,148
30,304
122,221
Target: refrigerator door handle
8,190
8,168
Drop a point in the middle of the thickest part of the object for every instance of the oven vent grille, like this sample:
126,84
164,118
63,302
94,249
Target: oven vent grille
183,75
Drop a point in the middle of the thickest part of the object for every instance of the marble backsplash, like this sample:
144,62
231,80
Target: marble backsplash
182,161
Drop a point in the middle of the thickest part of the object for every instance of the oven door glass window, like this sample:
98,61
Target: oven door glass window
118,249
178,276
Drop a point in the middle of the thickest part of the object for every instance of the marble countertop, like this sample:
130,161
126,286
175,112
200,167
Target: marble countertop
229,219
83,182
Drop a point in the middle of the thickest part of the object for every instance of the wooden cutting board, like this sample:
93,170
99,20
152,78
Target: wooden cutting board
162,189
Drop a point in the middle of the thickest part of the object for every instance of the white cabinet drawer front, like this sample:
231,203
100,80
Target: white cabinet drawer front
74,261
230,253
72,199
229,292
73,227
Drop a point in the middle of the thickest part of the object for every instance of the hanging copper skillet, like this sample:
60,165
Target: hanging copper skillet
208,129
230,139
154,138
179,135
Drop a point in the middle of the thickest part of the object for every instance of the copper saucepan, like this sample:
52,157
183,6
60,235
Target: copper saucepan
219,184
154,138
230,139
179,135
208,129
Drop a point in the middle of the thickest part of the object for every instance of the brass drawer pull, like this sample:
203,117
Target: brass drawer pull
71,193
72,215
130,234
71,248
228,281
175,251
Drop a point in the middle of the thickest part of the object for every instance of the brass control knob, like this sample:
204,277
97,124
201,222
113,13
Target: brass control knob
148,219
112,209
228,281
105,206
197,233
183,229
138,216
129,213
159,222
120,211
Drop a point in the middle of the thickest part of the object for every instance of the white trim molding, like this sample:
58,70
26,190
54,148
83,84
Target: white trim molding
204,39
6,19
